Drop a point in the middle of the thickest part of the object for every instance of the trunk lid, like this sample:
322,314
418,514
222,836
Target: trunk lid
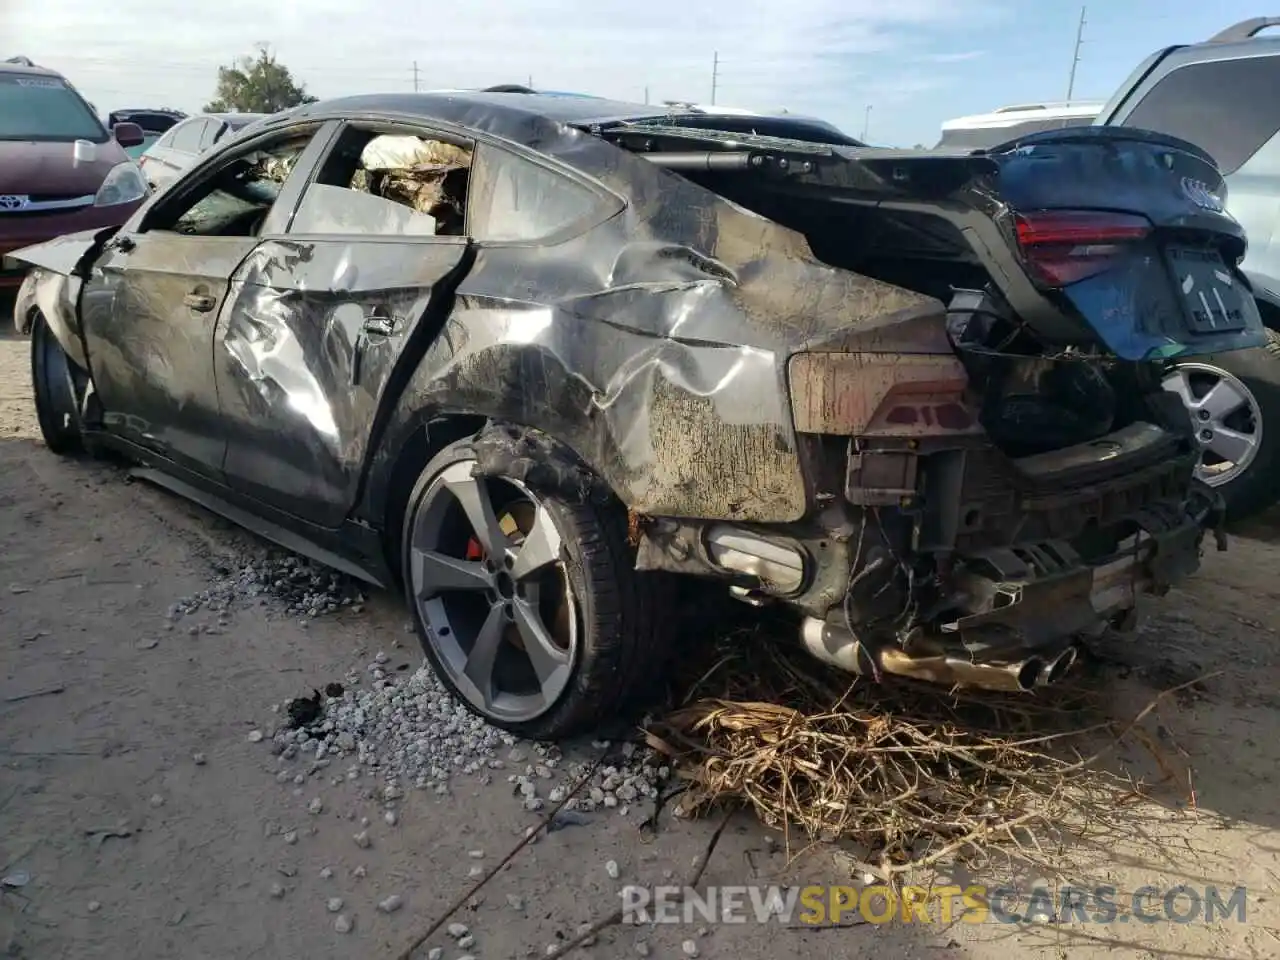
1129,229
1090,234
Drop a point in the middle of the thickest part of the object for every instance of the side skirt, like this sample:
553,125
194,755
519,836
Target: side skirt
353,549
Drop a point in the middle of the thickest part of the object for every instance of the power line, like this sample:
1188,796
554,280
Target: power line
1075,56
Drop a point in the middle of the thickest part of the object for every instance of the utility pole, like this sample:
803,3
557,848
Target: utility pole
415,76
646,95
1075,57
715,75
866,123
530,83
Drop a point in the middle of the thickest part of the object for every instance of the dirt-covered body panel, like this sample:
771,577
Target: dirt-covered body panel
766,367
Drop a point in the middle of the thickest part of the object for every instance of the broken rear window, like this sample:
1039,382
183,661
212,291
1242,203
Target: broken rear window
388,185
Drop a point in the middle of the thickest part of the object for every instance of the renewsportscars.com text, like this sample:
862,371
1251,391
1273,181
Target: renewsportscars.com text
977,903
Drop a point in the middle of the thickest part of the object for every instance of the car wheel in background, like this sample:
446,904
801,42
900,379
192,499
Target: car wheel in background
1234,403
58,386
528,605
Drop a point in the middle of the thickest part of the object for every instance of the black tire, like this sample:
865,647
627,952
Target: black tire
619,650
54,383
1258,487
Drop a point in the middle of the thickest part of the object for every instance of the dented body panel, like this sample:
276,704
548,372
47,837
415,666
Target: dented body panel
745,364
311,337
149,320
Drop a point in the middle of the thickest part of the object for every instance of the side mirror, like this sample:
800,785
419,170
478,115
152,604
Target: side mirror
128,134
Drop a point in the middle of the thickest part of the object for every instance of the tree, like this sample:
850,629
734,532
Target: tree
257,85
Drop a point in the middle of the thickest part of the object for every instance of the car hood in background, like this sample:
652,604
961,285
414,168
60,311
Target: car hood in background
40,168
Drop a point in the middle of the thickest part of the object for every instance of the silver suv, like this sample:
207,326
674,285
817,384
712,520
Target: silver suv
1220,95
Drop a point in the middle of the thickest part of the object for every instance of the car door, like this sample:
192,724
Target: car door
150,307
324,315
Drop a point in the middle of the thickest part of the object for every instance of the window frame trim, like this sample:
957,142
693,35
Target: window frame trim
611,206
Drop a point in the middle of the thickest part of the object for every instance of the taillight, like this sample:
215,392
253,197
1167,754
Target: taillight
1063,246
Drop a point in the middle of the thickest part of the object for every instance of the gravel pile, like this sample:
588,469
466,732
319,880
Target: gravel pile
305,589
408,732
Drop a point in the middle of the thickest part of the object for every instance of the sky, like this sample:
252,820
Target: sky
894,69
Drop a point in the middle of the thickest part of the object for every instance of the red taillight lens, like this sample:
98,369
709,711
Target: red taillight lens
1063,246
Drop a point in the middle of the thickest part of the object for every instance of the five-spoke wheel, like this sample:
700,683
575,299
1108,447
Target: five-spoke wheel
528,604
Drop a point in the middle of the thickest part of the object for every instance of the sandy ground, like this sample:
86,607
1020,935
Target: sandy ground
89,564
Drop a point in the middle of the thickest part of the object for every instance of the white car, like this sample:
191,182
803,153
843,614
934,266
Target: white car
981,130
170,155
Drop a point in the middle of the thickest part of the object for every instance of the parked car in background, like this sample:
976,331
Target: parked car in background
61,171
527,356
154,123
1218,94
982,130
177,149
1215,94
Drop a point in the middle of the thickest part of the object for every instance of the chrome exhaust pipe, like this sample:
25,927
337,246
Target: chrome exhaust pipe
839,647
1057,668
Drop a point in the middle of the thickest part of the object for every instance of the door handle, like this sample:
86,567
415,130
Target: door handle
199,302
378,325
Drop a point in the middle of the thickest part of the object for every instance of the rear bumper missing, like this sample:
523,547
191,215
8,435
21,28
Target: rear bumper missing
1023,609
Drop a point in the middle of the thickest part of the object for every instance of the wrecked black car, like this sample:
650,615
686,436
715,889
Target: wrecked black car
526,357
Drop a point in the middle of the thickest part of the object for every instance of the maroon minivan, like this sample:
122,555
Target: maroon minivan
60,169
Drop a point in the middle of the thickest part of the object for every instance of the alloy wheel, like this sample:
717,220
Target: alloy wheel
1226,417
493,594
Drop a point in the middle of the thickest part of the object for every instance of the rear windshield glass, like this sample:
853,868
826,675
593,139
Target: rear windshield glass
45,108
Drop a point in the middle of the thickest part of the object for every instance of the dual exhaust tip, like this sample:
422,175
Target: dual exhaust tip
1035,672
839,647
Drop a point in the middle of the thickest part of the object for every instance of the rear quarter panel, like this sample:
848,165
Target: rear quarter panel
654,345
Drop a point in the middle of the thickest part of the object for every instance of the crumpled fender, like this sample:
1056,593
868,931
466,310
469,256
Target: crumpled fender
54,295
68,254
53,284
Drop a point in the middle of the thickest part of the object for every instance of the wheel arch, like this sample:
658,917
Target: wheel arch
397,465
540,459
53,296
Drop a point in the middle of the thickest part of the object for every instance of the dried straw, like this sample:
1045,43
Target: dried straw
912,772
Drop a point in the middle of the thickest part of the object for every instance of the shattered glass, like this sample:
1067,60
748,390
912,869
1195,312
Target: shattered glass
427,176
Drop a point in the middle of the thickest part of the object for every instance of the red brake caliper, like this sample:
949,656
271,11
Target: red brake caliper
474,550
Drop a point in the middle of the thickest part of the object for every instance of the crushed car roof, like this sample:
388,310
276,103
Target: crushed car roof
499,108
